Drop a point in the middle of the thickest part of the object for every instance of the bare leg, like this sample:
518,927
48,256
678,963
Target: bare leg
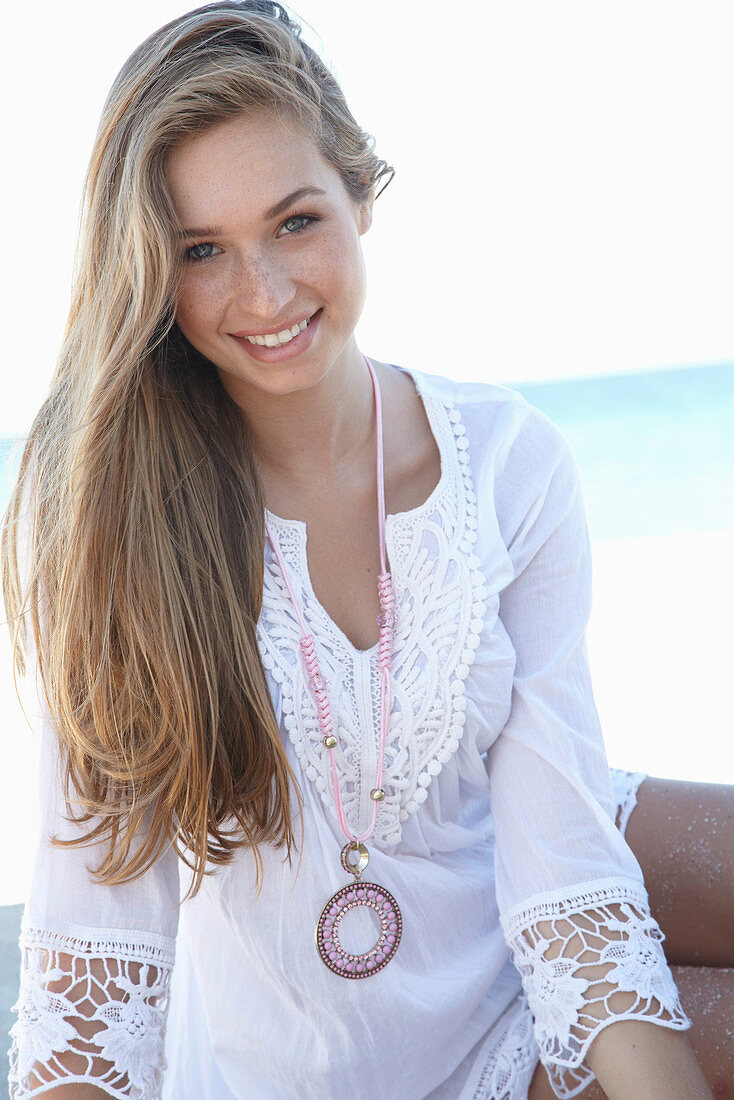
707,995
683,837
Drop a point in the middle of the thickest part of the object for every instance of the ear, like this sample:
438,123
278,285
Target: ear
364,214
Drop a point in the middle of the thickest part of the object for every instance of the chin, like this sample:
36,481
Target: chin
277,380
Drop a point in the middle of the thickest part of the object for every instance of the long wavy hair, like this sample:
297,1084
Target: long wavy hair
133,541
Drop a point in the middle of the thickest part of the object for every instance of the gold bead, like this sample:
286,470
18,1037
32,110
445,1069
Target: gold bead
330,741
377,794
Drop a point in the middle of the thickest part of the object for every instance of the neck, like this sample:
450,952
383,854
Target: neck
314,432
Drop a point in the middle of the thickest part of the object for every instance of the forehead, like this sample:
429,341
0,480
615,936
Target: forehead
242,166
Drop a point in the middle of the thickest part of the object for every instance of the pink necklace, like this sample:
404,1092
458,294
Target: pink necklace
358,893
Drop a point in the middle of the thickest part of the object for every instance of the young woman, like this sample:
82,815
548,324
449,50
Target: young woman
309,631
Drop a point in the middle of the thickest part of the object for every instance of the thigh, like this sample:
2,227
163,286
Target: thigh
707,995
683,837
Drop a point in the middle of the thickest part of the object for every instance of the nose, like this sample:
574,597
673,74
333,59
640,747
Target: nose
261,289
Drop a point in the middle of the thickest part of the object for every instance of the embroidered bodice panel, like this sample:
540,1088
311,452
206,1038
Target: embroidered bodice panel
442,607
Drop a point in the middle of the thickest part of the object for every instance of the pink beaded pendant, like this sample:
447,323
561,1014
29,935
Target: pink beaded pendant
349,897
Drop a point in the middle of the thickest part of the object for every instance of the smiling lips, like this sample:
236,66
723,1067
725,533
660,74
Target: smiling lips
275,339
287,343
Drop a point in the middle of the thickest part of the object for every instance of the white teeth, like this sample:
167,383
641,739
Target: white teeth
275,340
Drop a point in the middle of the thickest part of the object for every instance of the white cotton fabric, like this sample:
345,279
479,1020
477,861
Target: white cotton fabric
496,834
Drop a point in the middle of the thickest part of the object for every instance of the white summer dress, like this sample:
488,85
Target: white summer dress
496,836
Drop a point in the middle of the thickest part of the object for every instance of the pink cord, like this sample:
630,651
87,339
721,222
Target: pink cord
387,628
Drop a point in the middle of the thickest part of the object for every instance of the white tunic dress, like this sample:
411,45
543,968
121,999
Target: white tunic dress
496,836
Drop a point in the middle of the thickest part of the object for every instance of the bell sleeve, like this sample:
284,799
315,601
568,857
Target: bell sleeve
572,901
96,963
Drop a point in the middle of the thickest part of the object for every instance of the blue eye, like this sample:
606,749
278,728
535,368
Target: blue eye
297,223
198,253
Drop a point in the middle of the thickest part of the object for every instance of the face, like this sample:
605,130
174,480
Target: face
273,275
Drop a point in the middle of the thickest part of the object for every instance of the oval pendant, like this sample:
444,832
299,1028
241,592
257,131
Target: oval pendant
349,897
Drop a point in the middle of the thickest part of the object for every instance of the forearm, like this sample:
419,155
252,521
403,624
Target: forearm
637,1060
76,1091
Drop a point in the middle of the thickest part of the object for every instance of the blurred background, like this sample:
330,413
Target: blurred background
560,222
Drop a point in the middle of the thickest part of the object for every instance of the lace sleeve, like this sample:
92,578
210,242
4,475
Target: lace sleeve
96,960
91,1008
570,892
589,960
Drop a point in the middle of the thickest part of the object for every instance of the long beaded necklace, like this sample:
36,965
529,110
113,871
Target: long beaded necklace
358,893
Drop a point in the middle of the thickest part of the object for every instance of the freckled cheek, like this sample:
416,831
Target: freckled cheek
197,311
343,271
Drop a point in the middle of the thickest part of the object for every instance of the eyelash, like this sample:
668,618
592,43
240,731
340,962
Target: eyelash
307,219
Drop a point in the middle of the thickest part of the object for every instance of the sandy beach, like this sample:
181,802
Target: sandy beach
661,646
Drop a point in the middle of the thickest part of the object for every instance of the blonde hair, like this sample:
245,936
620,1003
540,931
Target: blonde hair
144,580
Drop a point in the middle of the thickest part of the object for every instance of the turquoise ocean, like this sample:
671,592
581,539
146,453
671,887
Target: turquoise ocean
655,449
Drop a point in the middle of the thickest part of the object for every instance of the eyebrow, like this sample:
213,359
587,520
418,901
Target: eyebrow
274,212
282,206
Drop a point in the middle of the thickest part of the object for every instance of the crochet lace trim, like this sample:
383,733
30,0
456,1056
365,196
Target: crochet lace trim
586,961
441,604
511,1060
91,1008
625,786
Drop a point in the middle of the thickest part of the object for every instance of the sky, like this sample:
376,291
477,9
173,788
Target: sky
562,204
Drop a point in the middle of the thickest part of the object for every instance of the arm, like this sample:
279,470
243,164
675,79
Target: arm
633,1061
76,1092
572,901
